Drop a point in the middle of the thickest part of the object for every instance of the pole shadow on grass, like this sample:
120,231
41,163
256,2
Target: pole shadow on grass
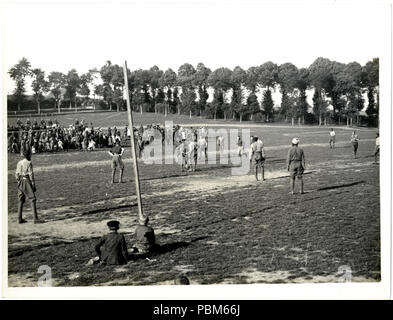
341,185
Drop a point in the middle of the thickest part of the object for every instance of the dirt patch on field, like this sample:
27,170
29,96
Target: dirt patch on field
212,226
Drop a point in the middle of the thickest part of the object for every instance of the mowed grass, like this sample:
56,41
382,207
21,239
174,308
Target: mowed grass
119,119
212,226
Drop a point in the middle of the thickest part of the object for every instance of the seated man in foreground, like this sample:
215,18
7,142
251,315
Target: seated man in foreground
145,238
112,248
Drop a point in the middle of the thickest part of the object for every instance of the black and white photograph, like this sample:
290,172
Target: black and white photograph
196,149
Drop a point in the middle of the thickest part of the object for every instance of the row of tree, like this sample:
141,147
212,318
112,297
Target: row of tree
234,92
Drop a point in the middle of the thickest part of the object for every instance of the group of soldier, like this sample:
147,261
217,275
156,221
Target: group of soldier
191,143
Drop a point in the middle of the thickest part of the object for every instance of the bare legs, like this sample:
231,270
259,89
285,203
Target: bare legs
120,175
262,172
292,183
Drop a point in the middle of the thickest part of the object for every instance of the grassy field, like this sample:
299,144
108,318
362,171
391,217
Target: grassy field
214,227
119,119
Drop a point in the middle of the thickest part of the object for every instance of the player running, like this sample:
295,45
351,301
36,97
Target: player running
116,152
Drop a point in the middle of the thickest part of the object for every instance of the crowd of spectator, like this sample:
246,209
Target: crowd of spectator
51,136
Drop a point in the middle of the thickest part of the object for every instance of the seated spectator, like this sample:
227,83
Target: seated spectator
145,238
60,145
92,145
112,247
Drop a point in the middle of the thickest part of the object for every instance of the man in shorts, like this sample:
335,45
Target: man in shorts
257,157
26,186
332,138
116,152
296,165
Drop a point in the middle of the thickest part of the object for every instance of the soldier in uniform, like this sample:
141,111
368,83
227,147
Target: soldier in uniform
112,247
296,164
26,186
116,152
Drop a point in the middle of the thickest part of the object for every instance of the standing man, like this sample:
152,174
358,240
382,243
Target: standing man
116,152
355,143
240,147
184,155
193,154
257,157
332,138
26,186
376,153
296,164
202,147
220,143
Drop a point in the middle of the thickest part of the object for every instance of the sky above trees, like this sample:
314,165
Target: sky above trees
58,37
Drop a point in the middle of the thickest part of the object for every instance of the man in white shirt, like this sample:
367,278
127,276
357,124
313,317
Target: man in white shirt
257,157
202,147
332,138
220,143
26,186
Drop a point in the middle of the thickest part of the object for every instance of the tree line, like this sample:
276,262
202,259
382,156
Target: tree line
234,92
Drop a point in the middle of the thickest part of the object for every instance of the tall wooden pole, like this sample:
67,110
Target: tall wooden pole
133,150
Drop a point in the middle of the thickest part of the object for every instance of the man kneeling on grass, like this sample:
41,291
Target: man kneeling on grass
112,248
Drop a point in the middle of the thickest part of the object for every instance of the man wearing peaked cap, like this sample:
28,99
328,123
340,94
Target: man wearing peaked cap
112,247
113,225
296,164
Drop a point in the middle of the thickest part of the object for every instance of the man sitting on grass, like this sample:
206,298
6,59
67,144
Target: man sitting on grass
145,238
112,248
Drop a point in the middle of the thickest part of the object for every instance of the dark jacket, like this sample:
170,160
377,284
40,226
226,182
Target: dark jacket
112,249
